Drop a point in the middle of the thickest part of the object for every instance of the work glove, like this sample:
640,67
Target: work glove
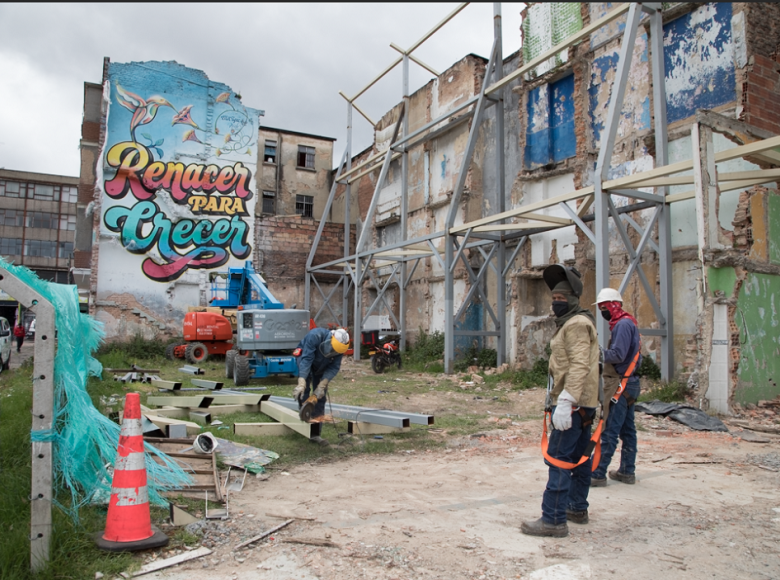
321,389
562,416
298,392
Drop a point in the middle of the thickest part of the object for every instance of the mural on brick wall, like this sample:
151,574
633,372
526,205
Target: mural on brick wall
177,169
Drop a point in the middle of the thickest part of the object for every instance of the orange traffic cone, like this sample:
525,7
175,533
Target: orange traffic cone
128,525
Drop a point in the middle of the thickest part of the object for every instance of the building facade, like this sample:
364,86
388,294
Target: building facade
178,181
722,80
37,226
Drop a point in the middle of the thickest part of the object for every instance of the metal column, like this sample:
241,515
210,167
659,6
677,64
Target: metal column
404,202
664,219
347,201
450,238
601,199
500,187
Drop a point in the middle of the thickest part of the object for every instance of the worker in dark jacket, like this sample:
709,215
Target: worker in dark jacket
318,364
621,389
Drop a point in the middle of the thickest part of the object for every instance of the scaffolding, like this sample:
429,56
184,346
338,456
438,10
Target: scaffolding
499,237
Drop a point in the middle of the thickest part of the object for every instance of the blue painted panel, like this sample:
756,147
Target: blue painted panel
562,119
550,136
537,142
472,320
698,58
599,72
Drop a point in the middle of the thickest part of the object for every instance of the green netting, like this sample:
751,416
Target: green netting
84,440
547,24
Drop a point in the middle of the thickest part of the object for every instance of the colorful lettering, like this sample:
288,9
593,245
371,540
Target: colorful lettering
138,173
185,244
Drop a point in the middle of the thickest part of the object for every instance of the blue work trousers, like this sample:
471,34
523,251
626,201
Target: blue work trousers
620,423
568,488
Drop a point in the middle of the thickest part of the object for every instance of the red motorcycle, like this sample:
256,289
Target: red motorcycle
383,355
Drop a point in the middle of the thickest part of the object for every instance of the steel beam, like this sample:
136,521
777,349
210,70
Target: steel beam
603,162
664,218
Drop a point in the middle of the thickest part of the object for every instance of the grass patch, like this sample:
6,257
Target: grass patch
668,392
73,552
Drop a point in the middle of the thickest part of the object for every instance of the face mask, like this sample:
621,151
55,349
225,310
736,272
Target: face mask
606,314
326,349
560,307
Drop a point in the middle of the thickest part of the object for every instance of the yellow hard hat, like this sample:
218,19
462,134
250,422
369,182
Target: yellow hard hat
339,340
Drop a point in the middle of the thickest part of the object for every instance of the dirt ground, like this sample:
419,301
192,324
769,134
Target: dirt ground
706,505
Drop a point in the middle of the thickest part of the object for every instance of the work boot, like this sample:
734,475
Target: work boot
576,517
598,482
320,441
623,477
541,528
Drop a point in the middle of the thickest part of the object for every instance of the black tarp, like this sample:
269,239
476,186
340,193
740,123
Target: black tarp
685,414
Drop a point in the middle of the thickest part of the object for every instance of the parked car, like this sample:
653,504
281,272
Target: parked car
6,344
31,330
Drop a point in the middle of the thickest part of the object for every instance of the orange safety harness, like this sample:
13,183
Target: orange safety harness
594,447
627,375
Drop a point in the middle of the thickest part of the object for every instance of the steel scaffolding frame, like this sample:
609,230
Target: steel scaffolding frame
494,237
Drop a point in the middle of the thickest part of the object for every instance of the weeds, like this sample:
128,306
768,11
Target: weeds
668,392
649,369
428,349
137,348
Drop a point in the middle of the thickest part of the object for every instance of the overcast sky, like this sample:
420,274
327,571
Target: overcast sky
287,59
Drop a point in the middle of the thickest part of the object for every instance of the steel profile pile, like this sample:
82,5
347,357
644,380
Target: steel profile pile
177,408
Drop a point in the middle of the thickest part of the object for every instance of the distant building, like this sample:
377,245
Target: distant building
37,226
294,177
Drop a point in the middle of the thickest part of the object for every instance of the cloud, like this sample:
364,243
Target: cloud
287,59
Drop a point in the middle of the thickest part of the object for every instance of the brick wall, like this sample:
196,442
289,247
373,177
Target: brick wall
761,93
283,245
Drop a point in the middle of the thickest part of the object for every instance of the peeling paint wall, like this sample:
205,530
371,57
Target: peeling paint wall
699,61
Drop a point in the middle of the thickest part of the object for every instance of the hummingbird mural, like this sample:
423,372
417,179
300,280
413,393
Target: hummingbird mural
144,110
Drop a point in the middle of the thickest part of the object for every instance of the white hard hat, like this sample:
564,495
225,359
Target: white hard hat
608,295
340,340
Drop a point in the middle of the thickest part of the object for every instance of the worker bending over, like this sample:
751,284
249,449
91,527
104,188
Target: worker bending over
573,386
318,364
621,389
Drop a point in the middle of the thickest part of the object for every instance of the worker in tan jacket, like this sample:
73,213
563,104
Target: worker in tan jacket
573,384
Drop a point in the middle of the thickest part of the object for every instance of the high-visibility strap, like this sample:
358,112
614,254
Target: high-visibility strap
627,375
594,447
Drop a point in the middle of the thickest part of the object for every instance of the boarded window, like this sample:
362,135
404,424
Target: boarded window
550,135
269,203
304,205
270,152
305,157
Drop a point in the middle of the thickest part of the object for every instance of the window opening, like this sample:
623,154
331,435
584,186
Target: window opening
304,205
269,202
270,152
305,156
